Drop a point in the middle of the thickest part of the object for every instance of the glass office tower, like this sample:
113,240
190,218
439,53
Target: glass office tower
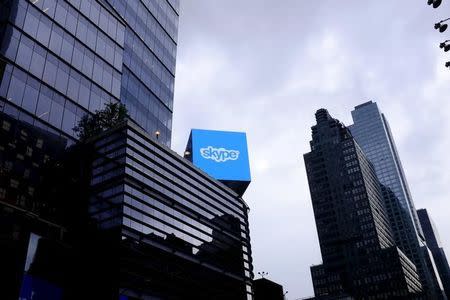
371,131
61,59
360,258
150,49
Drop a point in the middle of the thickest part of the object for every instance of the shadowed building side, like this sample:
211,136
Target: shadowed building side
359,255
267,290
372,132
179,233
434,243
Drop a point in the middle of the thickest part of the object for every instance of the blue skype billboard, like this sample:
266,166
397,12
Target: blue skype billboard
221,154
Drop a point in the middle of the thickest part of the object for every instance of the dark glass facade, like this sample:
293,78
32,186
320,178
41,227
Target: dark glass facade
360,258
63,59
150,49
156,204
434,243
27,211
122,217
24,153
372,132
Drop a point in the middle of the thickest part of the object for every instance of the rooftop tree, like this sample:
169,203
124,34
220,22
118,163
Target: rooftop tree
93,124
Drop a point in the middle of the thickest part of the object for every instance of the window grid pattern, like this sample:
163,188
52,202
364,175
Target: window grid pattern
87,50
372,133
358,250
66,65
158,198
149,63
63,77
142,21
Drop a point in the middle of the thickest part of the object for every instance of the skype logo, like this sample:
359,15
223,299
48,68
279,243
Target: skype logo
219,154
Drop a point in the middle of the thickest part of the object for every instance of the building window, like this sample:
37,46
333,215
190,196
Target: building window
29,151
14,183
39,143
8,166
6,125
23,134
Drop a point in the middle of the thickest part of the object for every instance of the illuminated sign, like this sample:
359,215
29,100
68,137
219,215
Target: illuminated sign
221,154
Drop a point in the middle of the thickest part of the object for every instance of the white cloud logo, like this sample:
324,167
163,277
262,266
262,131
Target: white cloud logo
219,154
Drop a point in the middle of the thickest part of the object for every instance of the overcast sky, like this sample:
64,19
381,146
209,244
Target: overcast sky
265,67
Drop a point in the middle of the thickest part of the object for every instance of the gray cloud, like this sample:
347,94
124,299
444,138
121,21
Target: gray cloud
264,67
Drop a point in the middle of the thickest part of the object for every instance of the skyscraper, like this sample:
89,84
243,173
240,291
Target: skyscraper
372,132
128,217
359,255
434,243
60,60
